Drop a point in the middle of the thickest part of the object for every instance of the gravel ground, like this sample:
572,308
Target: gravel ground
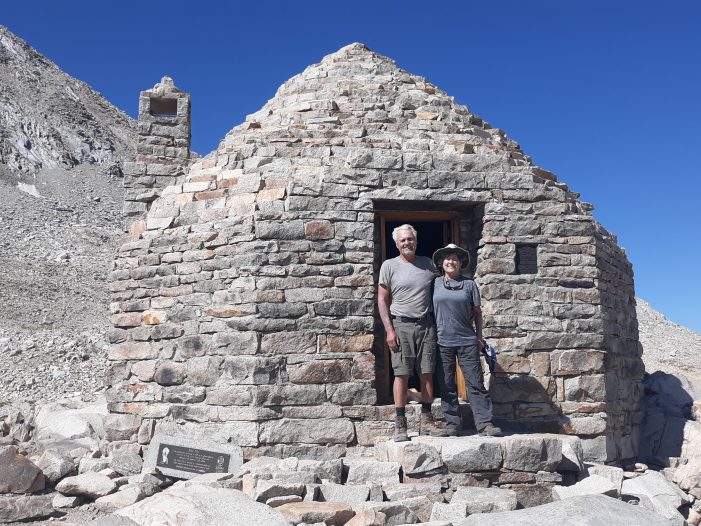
56,252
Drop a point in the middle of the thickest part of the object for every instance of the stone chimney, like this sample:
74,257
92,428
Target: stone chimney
162,149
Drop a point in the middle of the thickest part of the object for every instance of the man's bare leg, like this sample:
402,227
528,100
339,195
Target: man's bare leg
426,388
401,384
428,426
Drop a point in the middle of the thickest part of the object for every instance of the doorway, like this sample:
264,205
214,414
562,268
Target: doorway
434,230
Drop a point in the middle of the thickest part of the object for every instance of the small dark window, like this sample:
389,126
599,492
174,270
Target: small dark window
163,106
526,259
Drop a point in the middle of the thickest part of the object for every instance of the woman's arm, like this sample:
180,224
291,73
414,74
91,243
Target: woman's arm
479,325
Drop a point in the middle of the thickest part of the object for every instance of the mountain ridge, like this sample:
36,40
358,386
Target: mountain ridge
49,119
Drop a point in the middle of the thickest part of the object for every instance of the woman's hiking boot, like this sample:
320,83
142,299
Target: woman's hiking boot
428,426
490,430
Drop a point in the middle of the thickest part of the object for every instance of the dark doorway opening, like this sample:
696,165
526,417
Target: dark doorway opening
431,235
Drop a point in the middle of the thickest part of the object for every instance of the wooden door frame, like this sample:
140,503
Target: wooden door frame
408,216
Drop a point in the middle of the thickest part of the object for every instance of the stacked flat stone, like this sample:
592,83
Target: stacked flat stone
244,310
163,146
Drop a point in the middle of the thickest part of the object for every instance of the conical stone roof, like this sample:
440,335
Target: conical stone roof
356,87
357,99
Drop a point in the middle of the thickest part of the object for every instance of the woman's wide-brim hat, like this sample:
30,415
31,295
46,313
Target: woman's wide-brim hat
451,248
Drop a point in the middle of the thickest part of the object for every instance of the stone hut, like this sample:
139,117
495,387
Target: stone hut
244,296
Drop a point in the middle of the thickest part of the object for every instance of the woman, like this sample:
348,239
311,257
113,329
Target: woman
456,305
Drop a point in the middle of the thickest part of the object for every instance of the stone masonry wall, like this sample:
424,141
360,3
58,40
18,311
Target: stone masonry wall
623,365
245,311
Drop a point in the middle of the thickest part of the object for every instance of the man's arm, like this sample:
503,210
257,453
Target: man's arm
479,325
384,299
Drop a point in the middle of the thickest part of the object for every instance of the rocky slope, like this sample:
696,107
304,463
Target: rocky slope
61,149
667,346
50,120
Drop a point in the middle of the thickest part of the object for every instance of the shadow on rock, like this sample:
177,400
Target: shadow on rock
668,429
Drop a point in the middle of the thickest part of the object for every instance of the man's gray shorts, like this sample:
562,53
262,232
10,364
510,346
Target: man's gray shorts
417,347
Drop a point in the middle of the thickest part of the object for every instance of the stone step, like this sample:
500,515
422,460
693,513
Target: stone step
527,453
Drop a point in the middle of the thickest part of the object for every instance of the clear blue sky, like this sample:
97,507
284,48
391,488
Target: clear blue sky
606,94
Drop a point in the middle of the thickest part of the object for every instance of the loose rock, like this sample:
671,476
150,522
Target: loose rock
25,507
485,500
197,504
331,513
18,474
590,510
89,484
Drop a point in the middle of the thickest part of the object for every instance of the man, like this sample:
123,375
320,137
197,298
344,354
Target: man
404,301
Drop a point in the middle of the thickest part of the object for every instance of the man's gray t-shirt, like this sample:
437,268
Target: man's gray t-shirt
453,311
409,284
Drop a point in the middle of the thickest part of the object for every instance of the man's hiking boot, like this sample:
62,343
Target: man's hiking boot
400,429
490,430
428,426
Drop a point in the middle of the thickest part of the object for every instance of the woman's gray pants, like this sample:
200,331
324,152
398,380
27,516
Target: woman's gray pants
477,395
